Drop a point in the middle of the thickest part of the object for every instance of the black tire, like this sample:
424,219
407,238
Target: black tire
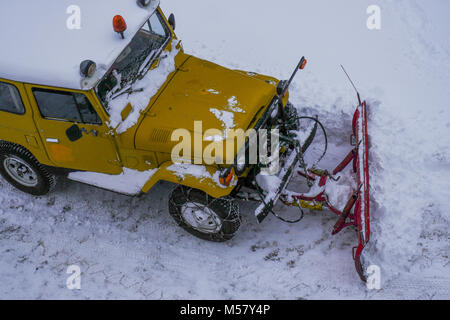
225,209
43,181
292,115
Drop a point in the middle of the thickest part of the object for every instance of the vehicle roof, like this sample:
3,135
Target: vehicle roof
38,47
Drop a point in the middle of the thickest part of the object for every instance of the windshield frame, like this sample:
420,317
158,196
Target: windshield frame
144,67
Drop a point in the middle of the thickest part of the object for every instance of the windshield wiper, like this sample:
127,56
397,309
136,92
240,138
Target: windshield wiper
144,60
145,67
130,91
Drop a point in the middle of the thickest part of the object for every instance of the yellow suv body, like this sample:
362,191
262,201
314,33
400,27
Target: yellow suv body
101,100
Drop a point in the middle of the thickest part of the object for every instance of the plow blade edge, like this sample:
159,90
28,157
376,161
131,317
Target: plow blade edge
361,164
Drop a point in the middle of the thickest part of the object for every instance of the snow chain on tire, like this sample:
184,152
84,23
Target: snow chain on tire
225,208
46,180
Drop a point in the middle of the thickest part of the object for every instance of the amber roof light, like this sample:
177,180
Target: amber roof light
119,25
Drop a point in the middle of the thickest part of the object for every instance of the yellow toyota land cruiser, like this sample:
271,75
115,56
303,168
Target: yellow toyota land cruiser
97,92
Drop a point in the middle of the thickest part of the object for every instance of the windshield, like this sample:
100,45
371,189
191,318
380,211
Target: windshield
135,60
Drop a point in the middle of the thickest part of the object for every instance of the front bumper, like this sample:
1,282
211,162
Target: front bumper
284,177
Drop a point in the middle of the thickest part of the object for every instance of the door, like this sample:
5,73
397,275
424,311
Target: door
60,113
16,122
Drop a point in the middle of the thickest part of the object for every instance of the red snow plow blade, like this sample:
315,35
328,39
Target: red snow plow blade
356,212
361,163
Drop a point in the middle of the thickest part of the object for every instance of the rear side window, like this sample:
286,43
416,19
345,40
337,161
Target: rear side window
10,100
66,106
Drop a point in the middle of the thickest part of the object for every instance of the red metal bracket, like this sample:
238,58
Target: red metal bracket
356,211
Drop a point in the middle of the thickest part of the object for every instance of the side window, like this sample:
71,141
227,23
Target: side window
10,100
68,106
155,25
57,105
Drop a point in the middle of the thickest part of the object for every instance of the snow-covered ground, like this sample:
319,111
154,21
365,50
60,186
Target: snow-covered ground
130,247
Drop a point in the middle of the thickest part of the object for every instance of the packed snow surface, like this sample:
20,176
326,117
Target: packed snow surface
130,247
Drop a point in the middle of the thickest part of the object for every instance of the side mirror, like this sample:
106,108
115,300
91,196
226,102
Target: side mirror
74,133
172,21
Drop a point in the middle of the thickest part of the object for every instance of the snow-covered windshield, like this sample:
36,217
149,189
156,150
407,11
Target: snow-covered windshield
135,60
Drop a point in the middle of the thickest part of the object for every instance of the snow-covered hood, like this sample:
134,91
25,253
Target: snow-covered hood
203,91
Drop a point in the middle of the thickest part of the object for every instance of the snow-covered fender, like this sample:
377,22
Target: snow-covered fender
201,177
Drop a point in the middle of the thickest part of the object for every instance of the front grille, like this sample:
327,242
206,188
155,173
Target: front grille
159,136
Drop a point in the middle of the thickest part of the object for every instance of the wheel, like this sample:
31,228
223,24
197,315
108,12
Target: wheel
21,169
203,216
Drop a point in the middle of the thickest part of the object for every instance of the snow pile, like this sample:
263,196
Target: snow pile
411,192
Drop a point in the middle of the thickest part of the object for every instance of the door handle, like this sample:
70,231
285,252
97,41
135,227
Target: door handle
93,132
52,140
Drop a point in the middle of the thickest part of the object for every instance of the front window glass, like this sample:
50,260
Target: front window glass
67,106
135,59
10,100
